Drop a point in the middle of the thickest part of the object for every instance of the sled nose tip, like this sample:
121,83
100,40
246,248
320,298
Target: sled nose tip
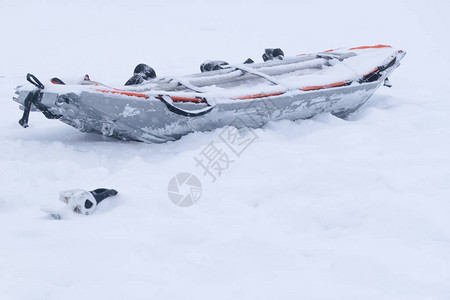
401,54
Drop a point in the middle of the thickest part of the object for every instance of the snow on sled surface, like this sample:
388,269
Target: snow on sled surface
162,109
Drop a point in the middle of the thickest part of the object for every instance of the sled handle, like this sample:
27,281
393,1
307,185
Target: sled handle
183,112
34,97
34,81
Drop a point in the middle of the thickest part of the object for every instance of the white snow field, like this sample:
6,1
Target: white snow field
316,209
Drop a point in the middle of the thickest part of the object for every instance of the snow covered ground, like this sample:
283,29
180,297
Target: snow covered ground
317,209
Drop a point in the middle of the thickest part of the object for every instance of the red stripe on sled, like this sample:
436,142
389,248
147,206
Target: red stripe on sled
319,87
125,93
257,96
186,99
373,71
371,47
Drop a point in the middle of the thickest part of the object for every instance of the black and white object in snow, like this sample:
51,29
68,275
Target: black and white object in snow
79,201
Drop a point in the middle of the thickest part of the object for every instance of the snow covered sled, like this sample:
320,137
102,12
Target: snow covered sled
153,109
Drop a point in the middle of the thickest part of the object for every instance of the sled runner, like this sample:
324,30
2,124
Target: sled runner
153,109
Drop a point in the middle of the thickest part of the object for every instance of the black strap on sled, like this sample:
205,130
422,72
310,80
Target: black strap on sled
183,112
271,53
215,65
141,73
378,73
35,97
31,97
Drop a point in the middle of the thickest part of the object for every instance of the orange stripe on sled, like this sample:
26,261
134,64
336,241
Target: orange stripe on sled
373,71
174,98
257,96
371,47
124,93
319,87
187,99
